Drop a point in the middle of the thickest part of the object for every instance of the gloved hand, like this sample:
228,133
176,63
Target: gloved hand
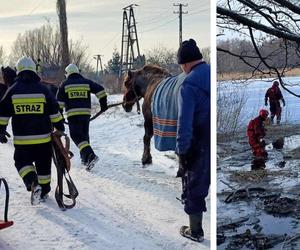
263,143
60,126
3,138
182,165
103,103
60,133
283,102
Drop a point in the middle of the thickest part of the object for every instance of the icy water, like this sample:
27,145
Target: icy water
282,182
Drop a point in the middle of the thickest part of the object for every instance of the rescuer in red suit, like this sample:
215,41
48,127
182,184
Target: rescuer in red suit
274,96
256,132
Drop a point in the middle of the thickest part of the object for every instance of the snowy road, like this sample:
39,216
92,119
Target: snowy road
120,205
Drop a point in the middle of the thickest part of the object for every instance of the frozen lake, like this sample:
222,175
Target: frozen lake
254,94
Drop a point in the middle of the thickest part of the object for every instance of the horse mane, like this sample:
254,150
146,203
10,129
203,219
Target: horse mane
8,75
154,74
154,70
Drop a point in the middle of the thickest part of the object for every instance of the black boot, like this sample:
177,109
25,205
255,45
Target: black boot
195,230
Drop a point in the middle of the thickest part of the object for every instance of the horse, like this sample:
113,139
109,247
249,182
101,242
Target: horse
9,77
142,84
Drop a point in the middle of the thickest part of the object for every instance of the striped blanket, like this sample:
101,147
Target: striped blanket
165,111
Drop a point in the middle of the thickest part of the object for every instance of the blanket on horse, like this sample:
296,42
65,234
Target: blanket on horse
165,112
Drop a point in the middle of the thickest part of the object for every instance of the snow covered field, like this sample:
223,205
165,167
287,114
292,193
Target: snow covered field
120,204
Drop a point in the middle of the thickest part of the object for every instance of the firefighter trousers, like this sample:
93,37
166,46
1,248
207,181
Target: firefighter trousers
33,163
79,132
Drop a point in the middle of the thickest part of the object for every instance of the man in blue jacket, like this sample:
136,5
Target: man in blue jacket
74,95
193,137
34,111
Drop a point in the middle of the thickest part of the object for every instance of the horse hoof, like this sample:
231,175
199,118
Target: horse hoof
147,160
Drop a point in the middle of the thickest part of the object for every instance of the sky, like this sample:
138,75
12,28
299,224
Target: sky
98,23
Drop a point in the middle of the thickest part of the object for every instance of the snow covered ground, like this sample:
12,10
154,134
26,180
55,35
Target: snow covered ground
120,205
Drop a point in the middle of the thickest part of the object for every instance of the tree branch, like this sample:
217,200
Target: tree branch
248,22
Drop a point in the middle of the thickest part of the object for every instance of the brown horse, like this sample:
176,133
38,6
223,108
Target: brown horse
142,84
9,77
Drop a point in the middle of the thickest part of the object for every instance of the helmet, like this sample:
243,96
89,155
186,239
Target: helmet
263,113
71,69
25,63
276,83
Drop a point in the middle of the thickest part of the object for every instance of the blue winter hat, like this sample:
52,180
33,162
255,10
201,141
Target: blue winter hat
188,52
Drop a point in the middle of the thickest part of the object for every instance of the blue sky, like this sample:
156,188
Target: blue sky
98,23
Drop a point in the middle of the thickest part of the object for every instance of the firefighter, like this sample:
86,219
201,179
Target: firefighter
34,110
74,94
256,133
274,95
193,136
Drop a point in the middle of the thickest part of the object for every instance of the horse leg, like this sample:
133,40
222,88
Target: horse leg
147,158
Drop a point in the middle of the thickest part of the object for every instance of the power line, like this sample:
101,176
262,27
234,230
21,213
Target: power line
164,24
198,12
111,40
155,20
36,7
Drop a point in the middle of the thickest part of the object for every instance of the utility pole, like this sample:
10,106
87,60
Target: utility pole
180,12
98,58
130,50
63,25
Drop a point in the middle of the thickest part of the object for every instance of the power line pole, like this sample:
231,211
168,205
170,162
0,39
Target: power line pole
98,58
180,12
63,27
130,50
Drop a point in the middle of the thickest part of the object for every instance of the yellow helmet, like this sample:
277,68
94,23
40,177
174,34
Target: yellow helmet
25,63
71,69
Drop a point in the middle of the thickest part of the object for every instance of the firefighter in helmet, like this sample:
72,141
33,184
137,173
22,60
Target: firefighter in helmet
74,94
274,96
34,111
256,133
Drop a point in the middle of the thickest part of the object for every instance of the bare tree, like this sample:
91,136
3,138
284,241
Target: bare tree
44,43
273,22
62,15
2,55
206,54
163,57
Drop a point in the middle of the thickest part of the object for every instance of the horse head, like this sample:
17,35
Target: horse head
9,75
139,83
130,95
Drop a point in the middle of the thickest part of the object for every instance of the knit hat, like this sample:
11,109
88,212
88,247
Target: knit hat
188,52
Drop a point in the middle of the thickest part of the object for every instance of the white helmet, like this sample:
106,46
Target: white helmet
71,69
25,63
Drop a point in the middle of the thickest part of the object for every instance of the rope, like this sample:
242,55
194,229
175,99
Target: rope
61,158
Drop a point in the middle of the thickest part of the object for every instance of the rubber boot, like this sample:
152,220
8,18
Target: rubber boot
36,191
195,230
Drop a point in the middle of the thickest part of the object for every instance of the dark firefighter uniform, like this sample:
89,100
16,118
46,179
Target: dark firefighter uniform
3,89
34,111
274,96
74,95
256,132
